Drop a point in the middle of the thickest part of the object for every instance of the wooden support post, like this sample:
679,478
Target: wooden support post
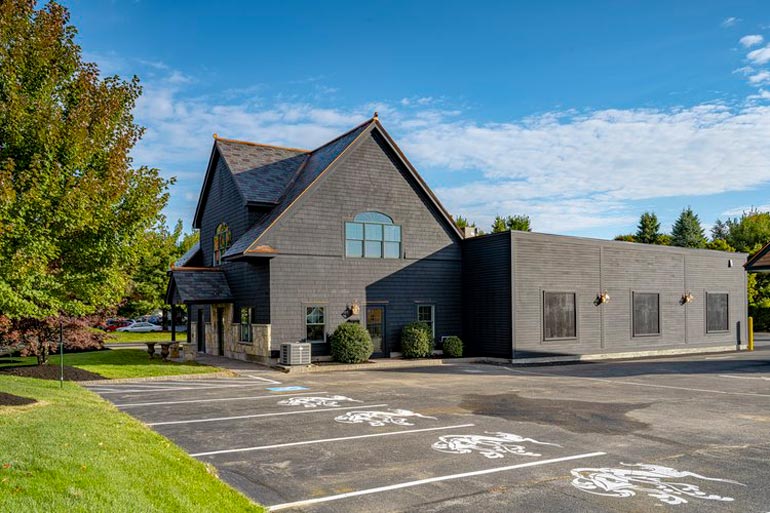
173,323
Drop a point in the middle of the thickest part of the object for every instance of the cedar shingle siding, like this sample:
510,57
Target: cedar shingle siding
512,294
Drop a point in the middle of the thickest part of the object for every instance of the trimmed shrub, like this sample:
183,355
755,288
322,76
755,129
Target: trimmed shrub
351,343
416,340
453,347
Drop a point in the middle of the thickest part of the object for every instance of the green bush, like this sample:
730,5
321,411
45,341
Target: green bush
416,340
453,347
351,343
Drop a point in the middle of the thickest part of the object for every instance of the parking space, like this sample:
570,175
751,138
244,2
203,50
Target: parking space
685,433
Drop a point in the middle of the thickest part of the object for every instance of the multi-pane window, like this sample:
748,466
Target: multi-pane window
646,312
426,314
372,235
245,321
315,323
717,317
559,315
221,242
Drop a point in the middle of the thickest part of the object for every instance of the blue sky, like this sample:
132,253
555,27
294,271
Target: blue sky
579,114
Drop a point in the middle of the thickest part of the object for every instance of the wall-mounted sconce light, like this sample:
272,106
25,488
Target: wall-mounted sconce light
601,298
687,298
352,309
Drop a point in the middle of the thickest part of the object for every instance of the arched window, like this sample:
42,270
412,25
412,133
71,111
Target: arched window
221,242
372,235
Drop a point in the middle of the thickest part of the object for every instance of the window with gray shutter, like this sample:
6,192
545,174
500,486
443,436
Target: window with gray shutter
559,315
717,317
646,313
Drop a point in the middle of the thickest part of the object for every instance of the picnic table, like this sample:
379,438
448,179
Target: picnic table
164,349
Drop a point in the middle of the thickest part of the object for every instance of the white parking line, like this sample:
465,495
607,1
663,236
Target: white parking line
409,484
274,382
651,385
257,415
272,396
212,387
325,440
763,378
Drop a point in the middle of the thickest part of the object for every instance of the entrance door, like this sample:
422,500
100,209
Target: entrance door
221,331
201,327
375,325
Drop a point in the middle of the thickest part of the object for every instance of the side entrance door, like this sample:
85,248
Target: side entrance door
375,325
221,331
201,336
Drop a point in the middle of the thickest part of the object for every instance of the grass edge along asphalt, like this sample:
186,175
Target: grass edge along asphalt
121,363
74,451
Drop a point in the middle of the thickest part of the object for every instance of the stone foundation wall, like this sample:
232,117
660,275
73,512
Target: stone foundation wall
258,350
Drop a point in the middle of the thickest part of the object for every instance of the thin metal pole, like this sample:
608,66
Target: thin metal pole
61,354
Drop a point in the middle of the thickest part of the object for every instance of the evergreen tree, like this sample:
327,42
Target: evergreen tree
626,238
720,230
519,222
687,231
648,230
498,225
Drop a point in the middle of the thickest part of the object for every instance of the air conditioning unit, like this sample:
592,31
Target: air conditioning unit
296,353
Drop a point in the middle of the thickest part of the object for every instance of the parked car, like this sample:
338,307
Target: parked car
140,327
113,324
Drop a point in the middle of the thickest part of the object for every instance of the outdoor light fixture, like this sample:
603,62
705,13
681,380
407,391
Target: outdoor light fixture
355,307
603,297
687,298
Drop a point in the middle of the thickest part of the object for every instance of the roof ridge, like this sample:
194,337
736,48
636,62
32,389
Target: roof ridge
263,145
370,120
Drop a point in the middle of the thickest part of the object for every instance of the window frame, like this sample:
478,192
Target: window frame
633,315
576,316
432,307
249,332
706,313
222,242
382,243
307,308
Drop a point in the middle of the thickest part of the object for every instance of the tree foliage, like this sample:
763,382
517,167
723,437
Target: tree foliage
40,337
628,237
648,229
687,231
518,222
72,206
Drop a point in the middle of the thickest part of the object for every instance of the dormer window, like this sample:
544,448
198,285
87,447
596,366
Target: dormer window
221,242
372,235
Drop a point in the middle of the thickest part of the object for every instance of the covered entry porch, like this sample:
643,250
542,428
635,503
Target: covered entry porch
214,327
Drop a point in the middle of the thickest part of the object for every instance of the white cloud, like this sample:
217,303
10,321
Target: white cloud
751,40
730,22
760,78
738,211
760,55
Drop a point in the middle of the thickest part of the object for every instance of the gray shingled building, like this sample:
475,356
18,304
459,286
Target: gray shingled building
295,242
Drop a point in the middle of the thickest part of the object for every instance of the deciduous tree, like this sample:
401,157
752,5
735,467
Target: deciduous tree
72,205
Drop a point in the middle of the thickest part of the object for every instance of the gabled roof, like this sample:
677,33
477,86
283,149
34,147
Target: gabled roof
760,262
189,255
316,163
261,172
276,177
198,285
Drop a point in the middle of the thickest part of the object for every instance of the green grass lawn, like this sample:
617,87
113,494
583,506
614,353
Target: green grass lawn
121,363
75,452
124,337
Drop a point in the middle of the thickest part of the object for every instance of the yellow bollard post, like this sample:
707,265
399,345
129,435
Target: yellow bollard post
751,334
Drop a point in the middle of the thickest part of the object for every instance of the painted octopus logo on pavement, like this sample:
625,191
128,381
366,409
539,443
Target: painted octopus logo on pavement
381,418
663,483
490,445
315,402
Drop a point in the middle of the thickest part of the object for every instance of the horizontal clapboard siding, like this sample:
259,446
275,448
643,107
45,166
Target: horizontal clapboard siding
487,295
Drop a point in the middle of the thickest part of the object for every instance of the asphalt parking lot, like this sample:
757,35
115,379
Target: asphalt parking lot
678,434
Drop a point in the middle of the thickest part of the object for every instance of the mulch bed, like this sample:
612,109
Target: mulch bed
51,372
15,400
